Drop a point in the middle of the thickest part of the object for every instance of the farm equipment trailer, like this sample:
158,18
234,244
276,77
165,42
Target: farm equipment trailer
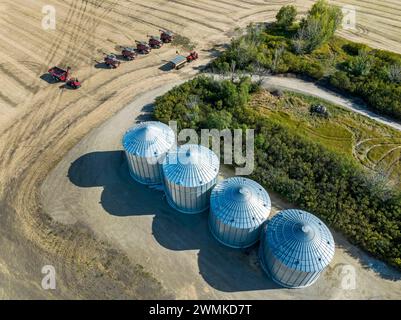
180,61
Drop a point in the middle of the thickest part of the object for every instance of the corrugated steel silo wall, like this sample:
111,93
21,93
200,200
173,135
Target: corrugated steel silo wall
232,236
189,199
143,170
283,275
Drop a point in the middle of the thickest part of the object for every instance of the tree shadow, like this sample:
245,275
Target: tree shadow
148,108
222,268
215,51
146,113
368,262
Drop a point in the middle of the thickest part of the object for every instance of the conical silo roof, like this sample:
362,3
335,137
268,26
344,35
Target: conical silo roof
191,165
300,240
149,139
240,202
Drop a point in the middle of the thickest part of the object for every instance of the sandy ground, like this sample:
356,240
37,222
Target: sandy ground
40,122
91,185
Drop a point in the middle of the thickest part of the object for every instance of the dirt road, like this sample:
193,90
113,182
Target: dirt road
40,122
312,89
272,82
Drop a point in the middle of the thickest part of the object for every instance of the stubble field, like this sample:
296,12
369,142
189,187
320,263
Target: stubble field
40,122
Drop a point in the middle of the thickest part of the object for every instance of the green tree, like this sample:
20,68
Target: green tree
219,120
286,16
319,26
361,64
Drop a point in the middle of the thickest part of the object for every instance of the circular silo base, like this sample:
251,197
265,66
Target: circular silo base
227,244
143,182
275,280
173,205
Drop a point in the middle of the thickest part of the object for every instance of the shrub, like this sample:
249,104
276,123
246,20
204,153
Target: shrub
360,65
219,120
394,73
318,27
341,80
286,16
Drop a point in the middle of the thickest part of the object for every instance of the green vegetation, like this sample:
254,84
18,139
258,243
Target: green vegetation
308,48
286,16
293,160
318,27
375,146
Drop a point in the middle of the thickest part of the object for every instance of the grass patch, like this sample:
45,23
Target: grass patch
354,136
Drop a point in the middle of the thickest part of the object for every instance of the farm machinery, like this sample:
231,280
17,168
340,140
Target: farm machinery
320,110
142,47
59,74
193,55
63,75
166,36
73,83
111,61
129,53
155,42
179,61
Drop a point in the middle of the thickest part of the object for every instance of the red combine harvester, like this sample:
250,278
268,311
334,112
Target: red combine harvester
193,55
166,36
129,53
73,83
155,42
142,47
111,61
59,74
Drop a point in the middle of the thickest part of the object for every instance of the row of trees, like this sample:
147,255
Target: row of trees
309,48
304,172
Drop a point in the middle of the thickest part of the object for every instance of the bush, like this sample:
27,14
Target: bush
340,80
219,120
359,65
318,27
286,16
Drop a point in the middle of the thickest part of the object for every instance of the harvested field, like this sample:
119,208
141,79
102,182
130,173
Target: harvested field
40,122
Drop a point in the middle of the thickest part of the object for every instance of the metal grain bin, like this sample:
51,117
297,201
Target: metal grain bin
295,248
146,145
238,209
189,174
